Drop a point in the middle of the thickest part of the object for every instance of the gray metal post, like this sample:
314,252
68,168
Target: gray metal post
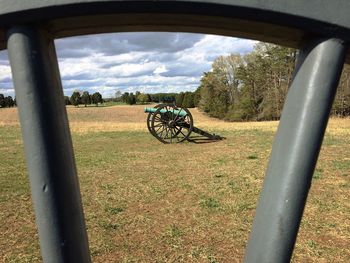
295,151
48,146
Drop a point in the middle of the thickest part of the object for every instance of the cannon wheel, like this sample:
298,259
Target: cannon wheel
169,127
149,120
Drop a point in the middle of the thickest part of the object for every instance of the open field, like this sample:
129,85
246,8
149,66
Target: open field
149,202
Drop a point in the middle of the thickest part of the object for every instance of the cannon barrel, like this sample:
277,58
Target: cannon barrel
180,113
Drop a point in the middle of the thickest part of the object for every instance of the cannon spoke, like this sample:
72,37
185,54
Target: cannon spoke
171,135
163,130
182,133
171,124
160,127
177,138
167,133
179,132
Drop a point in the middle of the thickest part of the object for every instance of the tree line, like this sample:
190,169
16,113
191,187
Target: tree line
7,102
237,88
254,86
84,98
341,105
184,99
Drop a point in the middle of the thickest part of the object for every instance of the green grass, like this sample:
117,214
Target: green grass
343,165
209,202
101,105
114,103
318,173
252,157
149,202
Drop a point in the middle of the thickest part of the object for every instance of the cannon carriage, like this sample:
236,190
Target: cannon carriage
172,124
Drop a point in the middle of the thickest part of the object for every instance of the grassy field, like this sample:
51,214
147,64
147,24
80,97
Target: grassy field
149,202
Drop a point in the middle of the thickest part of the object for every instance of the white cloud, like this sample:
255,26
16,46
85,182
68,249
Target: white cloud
5,72
147,62
7,92
161,69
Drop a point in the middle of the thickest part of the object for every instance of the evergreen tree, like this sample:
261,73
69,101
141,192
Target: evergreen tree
9,102
179,99
97,98
188,100
66,100
131,99
2,101
75,99
125,97
85,98
197,97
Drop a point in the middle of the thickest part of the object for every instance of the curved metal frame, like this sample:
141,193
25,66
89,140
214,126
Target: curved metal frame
282,22
320,28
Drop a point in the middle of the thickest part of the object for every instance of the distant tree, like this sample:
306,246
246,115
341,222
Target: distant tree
125,97
188,101
179,99
97,98
214,98
118,95
249,87
341,105
137,94
197,96
9,102
66,100
2,101
131,99
85,98
143,98
163,97
75,99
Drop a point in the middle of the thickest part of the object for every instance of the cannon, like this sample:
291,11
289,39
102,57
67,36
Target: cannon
172,124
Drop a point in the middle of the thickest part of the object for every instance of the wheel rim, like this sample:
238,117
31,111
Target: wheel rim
168,126
149,120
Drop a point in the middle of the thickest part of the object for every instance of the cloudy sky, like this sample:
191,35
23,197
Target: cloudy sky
147,62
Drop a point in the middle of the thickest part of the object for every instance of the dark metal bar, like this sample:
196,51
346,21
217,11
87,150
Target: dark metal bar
295,151
207,134
48,146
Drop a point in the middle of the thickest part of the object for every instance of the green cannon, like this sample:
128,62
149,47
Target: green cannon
180,112
172,124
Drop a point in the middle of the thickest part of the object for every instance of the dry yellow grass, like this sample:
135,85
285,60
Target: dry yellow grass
132,118
149,202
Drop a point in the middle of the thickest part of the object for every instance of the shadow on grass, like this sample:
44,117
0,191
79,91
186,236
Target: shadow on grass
202,139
